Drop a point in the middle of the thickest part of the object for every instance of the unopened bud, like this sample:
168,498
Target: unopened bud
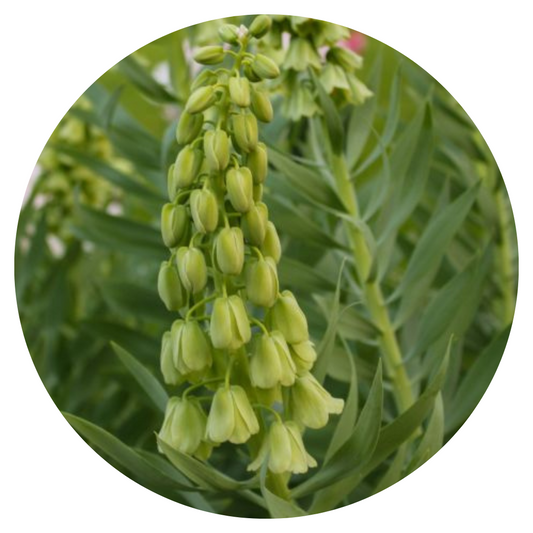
239,184
239,91
193,351
169,287
254,224
229,33
288,318
206,77
258,193
192,269
189,126
271,246
265,366
264,67
201,99
204,210
262,284
250,74
186,168
229,250
209,55
260,26
174,225
170,373
217,149
258,163
245,131
261,106
230,327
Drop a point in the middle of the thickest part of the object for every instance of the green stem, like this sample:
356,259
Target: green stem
199,304
371,288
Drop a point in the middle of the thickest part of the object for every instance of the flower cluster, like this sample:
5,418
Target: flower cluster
240,344
303,46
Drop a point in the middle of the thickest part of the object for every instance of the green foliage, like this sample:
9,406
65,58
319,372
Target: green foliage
398,242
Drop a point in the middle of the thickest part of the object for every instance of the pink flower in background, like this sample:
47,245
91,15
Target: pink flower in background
356,43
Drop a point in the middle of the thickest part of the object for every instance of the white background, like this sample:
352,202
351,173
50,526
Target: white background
52,51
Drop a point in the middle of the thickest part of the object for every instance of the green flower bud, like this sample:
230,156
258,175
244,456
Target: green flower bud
206,77
311,404
262,284
347,59
245,131
250,74
191,350
217,149
204,210
186,169
257,193
271,246
254,224
229,33
239,183
171,376
201,99
229,250
301,55
264,67
174,225
184,425
209,55
230,327
303,355
239,91
284,449
171,185
231,417
261,106
258,163
288,318
260,26
192,269
169,287
189,126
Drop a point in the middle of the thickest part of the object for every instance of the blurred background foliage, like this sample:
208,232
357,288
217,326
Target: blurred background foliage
431,197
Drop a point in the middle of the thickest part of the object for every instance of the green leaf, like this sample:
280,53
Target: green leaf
118,233
145,82
430,250
327,342
432,439
359,128
136,301
298,275
394,472
144,377
203,474
391,437
331,117
355,452
476,381
277,507
121,180
124,455
346,423
309,184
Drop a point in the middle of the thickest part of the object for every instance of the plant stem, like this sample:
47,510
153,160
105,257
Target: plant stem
371,288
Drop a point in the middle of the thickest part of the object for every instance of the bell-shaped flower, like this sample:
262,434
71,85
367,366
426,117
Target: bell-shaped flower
239,91
231,417
271,246
204,210
271,362
287,317
191,350
311,404
171,376
184,425
239,183
254,224
262,285
186,169
284,449
169,287
258,163
245,132
216,149
175,225
230,326
303,354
